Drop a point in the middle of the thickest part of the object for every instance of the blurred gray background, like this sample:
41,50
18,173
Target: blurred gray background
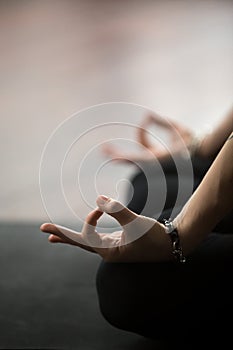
58,57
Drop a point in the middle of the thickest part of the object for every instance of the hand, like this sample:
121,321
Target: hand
129,158
141,239
180,138
179,135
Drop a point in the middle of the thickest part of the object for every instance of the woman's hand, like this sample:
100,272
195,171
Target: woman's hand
180,136
180,139
141,239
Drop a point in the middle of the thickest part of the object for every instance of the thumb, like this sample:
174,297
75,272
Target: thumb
116,209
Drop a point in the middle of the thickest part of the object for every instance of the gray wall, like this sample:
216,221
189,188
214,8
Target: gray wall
58,57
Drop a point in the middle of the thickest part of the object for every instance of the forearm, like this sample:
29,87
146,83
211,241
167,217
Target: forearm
212,200
212,143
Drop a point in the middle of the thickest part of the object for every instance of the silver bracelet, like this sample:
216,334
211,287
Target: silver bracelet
175,240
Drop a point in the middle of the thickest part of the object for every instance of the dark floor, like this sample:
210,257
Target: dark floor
48,297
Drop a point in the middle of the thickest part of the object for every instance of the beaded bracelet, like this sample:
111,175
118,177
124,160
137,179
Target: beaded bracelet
175,240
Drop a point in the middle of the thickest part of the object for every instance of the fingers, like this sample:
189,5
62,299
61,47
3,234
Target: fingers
161,121
134,226
50,228
177,132
108,149
56,239
93,216
112,151
60,234
147,120
54,233
116,209
115,154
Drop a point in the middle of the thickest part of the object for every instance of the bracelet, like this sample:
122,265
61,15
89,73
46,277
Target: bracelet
175,240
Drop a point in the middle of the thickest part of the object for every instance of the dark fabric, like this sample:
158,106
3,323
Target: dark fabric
168,300
161,182
165,300
48,296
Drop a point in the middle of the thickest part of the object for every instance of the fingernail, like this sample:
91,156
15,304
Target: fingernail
102,200
105,198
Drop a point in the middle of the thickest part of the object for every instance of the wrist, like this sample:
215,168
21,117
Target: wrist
176,244
195,145
165,242
190,232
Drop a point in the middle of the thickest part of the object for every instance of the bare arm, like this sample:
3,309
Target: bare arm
212,143
211,201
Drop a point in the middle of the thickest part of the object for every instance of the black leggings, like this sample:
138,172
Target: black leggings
169,300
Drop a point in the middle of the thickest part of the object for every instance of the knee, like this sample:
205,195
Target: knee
112,304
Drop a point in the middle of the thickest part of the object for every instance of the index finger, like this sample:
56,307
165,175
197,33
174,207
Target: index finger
93,217
164,122
66,234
